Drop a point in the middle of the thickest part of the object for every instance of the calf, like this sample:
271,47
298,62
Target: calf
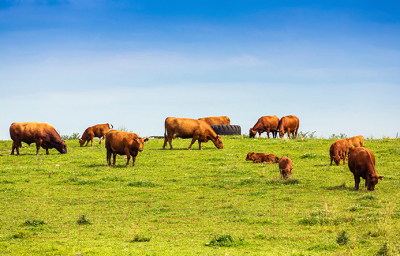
99,130
362,164
357,141
262,158
123,143
339,150
285,167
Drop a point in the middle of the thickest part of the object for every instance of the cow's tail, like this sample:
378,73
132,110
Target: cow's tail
111,126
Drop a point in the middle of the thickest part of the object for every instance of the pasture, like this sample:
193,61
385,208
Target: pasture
184,202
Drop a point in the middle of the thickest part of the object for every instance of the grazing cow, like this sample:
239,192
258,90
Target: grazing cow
262,158
339,150
99,130
285,167
289,124
43,134
265,124
362,164
217,120
190,128
123,143
357,141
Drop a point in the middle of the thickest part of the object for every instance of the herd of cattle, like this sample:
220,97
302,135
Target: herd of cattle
361,161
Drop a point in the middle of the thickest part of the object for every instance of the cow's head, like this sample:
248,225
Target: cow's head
336,159
218,142
61,147
285,173
372,180
252,133
250,156
81,142
137,144
281,133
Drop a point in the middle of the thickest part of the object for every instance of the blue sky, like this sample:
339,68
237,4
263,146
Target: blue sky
73,64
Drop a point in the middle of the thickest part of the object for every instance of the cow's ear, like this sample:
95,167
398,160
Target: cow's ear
380,177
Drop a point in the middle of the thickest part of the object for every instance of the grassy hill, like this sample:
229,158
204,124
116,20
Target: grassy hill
209,202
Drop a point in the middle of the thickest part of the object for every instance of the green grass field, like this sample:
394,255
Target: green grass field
209,202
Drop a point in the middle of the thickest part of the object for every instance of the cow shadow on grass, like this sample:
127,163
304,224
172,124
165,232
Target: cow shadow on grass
341,187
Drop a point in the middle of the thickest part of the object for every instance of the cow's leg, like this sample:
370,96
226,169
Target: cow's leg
357,181
288,132
47,151
165,141
199,145
91,142
101,138
38,144
12,148
191,143
108,156
87,142
259,134
128,156
114,158
268,130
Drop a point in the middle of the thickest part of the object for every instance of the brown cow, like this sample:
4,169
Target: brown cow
339,150
99,130
217,120
265,124
357,141
289,124
285,167
123,143
190,128
362,164
43,134
262,158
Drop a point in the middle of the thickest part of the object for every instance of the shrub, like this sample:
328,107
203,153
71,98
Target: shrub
74,136
34,223
384,250
342,238
139,239
225,240
83,221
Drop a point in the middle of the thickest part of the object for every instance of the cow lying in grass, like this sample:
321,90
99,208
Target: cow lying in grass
262,158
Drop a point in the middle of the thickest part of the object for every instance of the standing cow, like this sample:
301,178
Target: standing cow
190,128
217,120
289,124
356,141
99,130
285,167
265,124
339,150
43,134
123,143
362,164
